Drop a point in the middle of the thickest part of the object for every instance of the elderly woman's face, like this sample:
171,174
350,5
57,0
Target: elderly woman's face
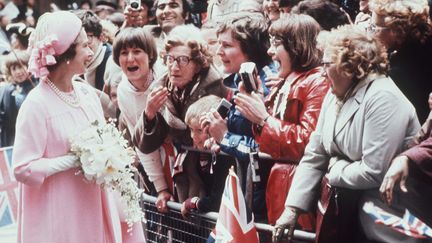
230,52
340,82
181,67
83,54
134,63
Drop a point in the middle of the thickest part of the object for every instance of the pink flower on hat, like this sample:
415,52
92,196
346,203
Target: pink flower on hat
42,55
54,34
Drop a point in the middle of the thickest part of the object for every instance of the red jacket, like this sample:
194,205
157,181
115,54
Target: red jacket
287,136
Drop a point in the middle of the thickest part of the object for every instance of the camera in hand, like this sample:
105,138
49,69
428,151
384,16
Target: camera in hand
249,75
135,4
223,108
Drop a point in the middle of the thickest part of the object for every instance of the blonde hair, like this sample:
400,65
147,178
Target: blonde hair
199,107
190,36
409,19
354,52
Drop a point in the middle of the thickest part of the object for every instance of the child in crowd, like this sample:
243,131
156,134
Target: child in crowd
212,171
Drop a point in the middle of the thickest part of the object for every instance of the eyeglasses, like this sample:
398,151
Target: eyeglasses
275,40
372,28
181,60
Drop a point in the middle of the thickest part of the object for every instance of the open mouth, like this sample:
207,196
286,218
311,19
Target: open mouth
132,69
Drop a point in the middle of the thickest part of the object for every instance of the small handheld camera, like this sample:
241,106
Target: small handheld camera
249,75
135,4
223,108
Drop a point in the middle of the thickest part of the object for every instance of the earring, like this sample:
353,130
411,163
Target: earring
68,62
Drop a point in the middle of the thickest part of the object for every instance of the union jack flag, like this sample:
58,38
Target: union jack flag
408,225
235,223
8,189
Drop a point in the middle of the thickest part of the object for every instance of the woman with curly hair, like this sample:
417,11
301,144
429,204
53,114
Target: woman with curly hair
364,122
404,27
191,75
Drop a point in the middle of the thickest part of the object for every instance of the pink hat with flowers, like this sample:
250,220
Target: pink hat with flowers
54,34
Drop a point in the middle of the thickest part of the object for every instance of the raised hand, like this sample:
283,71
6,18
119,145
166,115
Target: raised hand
214,124
251,106
155,101
134,17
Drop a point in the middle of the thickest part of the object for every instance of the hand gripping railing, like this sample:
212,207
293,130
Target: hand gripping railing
210,218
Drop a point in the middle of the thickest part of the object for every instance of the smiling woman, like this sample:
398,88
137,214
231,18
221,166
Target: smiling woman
55,111
363,124
134,50
191,75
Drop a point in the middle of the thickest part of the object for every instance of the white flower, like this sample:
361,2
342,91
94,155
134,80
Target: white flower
106,160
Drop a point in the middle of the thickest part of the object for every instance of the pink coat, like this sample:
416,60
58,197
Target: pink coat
62,207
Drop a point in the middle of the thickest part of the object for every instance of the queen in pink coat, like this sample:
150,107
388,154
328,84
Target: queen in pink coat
55,204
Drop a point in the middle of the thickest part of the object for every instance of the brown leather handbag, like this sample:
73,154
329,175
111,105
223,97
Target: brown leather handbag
337,214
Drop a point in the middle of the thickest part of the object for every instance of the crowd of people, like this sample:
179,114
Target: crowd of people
336,94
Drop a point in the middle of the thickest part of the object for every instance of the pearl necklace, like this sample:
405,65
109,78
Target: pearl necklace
72,101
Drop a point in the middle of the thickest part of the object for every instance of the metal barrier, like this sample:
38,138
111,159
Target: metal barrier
172,227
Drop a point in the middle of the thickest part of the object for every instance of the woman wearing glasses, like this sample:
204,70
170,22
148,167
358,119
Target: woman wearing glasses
364,122
190,76
283,124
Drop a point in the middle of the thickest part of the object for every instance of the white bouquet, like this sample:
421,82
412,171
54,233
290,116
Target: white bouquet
106,159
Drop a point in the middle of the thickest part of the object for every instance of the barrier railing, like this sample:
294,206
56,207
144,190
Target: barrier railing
172,227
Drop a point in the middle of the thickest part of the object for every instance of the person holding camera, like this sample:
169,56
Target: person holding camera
285,121
138,13
364,122
244,41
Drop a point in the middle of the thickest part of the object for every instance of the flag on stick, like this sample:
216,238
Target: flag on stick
8,189
235,223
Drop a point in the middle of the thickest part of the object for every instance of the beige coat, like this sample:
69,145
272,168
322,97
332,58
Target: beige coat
373,126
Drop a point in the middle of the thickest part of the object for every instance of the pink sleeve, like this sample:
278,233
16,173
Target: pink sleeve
30,143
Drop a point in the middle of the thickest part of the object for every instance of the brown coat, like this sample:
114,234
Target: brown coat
149,137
